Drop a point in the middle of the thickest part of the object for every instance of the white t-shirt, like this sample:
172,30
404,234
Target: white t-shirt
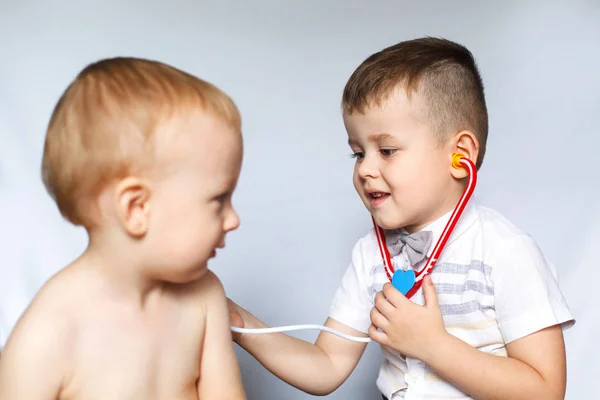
494,286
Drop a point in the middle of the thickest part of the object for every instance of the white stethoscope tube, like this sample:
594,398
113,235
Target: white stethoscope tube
301,327
457,160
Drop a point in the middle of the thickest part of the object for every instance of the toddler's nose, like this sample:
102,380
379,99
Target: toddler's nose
232,221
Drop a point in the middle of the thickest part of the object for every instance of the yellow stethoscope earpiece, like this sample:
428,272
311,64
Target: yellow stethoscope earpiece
456,157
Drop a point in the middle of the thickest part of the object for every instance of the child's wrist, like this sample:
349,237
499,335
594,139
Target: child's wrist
432,351
250,322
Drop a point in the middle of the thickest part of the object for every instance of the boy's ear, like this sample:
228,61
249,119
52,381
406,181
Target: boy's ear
133,205
467,144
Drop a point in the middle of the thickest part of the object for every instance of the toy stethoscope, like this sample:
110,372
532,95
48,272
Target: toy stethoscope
407,282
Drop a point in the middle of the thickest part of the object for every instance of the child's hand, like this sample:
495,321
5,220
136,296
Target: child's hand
235,317
411,329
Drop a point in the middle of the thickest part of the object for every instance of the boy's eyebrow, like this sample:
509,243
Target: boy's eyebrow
375,137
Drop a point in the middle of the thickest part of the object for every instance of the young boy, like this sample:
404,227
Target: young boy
489,326
145,157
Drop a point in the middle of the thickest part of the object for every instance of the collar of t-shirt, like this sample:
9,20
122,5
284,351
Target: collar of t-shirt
466,220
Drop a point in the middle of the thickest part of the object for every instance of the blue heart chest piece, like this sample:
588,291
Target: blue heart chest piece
403,280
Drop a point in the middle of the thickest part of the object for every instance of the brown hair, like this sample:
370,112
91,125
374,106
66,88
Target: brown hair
443,72
103,126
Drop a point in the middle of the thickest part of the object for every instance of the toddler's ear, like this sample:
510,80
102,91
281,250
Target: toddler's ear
133,205
467,144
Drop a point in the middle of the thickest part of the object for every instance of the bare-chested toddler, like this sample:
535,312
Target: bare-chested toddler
145,157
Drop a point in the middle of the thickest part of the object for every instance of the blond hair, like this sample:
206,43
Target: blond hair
444,73
104,123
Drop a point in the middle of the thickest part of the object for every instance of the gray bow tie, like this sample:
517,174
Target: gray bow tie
414,245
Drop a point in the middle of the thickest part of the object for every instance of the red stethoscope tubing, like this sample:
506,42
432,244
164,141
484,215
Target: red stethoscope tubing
439,246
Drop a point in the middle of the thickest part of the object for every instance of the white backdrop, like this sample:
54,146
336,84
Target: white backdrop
285,65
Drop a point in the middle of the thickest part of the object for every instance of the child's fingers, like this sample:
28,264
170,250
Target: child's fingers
383,305
378,336
235,318
378,319
394,296
431,297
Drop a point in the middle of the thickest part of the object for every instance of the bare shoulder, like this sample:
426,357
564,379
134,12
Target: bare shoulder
47,319
202,301
211,285
206,290
37,349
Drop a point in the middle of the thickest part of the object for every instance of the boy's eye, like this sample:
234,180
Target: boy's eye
387,152
359,155
222,198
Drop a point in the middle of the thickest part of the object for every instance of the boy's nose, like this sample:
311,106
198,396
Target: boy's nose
232,221
367,168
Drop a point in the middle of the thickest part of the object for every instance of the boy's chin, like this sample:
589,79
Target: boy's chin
186,276
198,273
388,223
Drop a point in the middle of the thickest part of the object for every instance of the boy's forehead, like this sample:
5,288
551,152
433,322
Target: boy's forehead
395,112
197,131
204,141
397,95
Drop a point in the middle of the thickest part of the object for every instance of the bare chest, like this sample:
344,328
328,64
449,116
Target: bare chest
126,357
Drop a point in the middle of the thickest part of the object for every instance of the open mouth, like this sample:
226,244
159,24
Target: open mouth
377,198
220,246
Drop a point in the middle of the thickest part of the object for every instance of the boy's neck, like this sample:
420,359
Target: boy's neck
445,207
434,217
121,273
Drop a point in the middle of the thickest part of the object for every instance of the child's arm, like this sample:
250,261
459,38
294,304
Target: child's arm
317,369
534,369
32,364
220,377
